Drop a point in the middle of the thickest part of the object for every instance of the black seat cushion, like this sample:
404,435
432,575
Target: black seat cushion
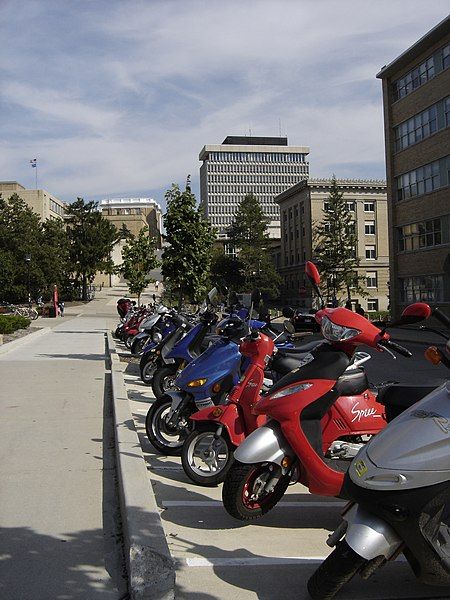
398,397
352,382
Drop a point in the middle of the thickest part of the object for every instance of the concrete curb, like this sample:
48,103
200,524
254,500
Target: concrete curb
151,569
4,348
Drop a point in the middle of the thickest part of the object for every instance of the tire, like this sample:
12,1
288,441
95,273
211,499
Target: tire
128,341
237,487
163,380
196,445
148,368
138,345
335,571
165,439
33,314
118,331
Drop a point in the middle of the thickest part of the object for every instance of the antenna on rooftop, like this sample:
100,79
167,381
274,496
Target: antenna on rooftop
250,130
279,126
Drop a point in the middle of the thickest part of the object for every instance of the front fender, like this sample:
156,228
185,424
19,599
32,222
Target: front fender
228,416
177,399
369,536
265,444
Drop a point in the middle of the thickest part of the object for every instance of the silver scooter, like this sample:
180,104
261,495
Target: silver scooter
399,487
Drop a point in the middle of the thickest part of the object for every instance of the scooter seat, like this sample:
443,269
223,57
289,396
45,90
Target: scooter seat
398,397
304,349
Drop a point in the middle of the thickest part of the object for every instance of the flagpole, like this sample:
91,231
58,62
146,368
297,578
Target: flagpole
36,175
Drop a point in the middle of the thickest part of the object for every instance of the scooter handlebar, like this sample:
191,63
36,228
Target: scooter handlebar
396,348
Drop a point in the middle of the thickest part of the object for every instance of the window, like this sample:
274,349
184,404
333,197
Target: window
371,253
371,279
372,305
416,128
424,234
414,79
426,288
369,206
326,206
446,56
420,181
369,227
350,206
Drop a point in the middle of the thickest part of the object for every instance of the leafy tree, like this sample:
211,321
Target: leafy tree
248,234
139,258
335,246
92,238
22,234
186,259
226,270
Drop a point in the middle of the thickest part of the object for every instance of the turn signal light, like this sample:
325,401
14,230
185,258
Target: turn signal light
286,462
433,355
217,412
196,383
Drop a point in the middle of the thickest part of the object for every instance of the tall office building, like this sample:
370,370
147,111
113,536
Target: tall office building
416,98
263,166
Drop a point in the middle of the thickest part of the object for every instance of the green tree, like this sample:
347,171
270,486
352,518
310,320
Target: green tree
248,234
186,259
92,238
22,234
139,258
335,246
226,270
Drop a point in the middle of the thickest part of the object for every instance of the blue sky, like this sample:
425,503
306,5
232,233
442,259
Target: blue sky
117,98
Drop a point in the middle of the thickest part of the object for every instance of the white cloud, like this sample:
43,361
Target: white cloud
122,95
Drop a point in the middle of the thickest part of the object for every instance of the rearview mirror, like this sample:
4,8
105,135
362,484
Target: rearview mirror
287,312
419,311
312,273
288,327
212,295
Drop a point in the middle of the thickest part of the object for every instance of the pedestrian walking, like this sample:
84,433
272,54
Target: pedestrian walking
156,285
61,308
348,305
359,309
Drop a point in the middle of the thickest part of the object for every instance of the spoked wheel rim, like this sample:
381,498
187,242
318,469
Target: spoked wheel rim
205,457
168,383
165,433
248,499
148,371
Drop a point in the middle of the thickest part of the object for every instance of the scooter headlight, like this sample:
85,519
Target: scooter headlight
197,382
157,337
292,389
337,333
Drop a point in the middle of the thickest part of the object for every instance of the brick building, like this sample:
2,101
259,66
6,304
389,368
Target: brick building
416,98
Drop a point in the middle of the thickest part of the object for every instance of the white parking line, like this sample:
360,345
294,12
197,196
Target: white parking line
253,561
218,503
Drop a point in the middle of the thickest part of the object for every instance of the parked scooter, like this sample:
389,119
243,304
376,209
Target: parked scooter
399,486
147,328
204,382
300,441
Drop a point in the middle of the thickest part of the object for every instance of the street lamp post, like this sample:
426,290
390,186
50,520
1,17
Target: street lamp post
28,262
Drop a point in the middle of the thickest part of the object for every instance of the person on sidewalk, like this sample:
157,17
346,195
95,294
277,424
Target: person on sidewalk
359,309
156,285
348,305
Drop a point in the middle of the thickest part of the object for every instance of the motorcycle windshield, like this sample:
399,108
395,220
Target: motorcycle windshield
181,349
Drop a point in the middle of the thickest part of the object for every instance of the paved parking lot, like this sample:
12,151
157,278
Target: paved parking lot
220,558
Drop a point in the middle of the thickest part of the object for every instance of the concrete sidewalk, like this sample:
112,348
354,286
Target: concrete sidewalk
59,522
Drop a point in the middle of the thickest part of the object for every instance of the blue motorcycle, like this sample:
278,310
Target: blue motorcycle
206,381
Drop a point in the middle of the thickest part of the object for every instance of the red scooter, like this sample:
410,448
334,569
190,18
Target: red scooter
310,412
207,453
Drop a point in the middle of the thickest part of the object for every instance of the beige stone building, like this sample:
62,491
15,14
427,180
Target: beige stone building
416,98
135,213
302,206
41,202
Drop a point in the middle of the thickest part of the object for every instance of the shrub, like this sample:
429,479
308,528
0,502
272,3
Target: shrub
11,323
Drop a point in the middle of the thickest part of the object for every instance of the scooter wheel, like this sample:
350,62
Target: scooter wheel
138,345
128,341
148,369
165,438
163,380
207,460
335,571
239,495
